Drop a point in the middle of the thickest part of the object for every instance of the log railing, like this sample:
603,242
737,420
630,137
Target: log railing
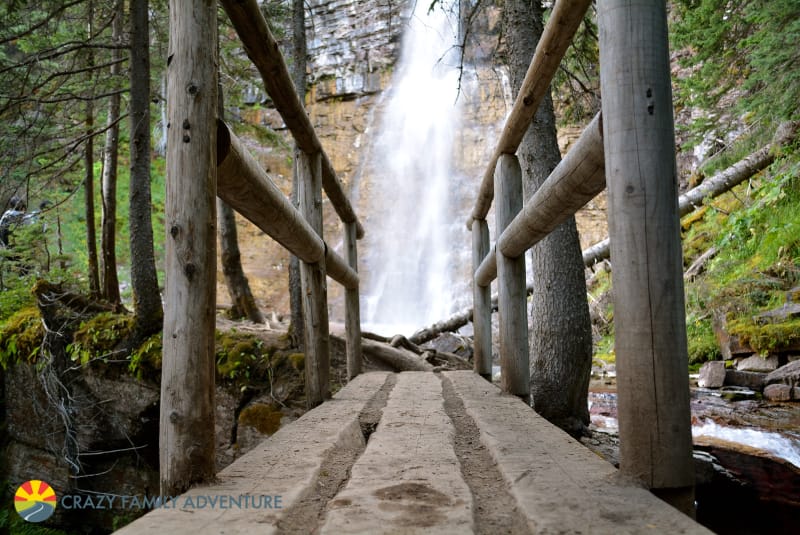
205,158
249,190
630,143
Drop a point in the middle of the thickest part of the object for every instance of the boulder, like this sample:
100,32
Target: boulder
779,315
789,374
712,374
729,345
757,363
751,380
451,343
778,392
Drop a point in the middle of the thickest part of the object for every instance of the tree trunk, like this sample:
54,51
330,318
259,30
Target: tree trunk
560,333
88,185
186,441
144,279
243,305
299,75
108,256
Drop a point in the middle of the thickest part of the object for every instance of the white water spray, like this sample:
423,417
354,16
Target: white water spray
775,443
409,271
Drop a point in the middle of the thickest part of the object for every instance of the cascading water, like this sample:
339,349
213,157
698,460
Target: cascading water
408,266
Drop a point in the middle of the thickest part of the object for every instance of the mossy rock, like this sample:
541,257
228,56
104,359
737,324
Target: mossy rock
298,361
146,359
265,418
767,338
100,336
21,336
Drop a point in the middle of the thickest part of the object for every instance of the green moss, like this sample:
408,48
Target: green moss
298,361
100,336
766,338
702,342
146,359
21,336
265,418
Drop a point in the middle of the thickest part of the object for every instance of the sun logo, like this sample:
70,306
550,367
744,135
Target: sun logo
35,501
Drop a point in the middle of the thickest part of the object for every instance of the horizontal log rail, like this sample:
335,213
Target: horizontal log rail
575,181
561,27
264,52
246,187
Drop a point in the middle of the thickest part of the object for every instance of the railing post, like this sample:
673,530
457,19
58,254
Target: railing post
512,302
314,284
186,447
649,315
352,313
481,303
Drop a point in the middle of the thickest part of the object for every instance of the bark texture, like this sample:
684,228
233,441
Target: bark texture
186,440
108,257
560,332
299,51
144,279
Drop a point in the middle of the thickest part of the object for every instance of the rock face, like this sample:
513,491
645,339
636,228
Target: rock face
351,43
102,437
789,375
752,380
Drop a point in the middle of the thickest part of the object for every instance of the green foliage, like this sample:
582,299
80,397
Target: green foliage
242,358
21,336
146,359
749,45
11,522
576,84
99,336
756,229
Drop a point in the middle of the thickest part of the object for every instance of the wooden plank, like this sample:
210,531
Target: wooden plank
187,443
247,188
564,21
352,312
575,181
482,304
312,281
512,304
649,313
264,52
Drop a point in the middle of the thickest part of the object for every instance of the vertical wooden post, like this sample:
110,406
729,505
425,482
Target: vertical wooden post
187,376
313,284
512,297
481,303
352,313
649,315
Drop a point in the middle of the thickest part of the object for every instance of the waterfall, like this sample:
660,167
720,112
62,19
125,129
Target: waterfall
408,269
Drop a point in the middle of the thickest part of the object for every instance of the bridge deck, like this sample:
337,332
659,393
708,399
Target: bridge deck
418,452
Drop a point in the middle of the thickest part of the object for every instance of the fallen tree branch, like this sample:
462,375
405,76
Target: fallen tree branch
714,186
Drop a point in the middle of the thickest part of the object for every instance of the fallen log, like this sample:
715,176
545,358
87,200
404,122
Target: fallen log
401,360
714,186
698,265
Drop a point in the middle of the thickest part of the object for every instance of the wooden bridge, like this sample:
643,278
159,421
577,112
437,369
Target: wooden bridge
418,452
431,452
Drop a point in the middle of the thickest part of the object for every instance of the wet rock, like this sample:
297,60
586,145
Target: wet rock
781,392
789,374
771,477
757,363
737,393
751,380
712,374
